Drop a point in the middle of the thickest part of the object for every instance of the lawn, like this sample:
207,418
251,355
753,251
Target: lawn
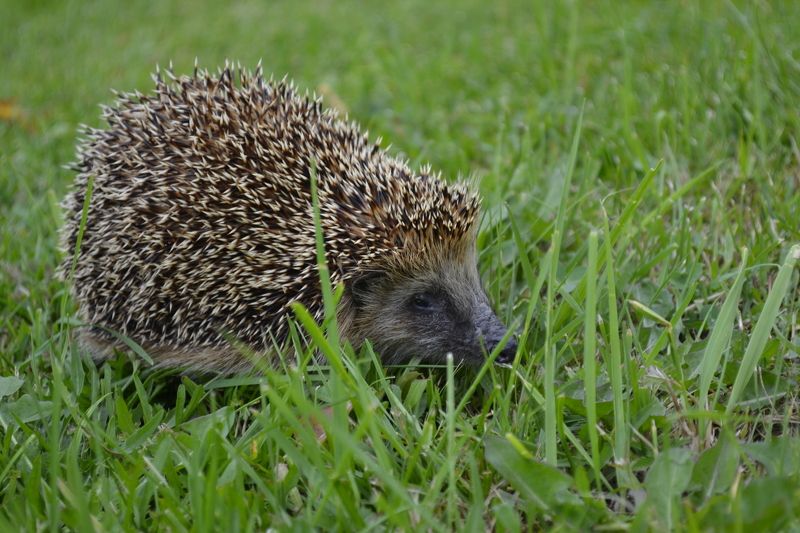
639,164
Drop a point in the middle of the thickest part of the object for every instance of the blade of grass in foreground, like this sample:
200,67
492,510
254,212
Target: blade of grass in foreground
534,284
615,359
339,380
322,264
550,415
764,325
720,337
450,426
589,345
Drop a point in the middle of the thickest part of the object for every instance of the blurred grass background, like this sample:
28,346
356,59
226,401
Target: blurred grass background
710,89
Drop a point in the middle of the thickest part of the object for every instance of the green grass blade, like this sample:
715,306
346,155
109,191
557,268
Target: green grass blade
322,264
533,283
615,358
450,425
589,348
720,336
87,200
550,417
764,325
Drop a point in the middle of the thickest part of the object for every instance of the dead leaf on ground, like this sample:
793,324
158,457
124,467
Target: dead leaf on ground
327,412
11,112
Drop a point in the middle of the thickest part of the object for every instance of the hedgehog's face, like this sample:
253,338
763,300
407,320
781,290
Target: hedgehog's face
427,315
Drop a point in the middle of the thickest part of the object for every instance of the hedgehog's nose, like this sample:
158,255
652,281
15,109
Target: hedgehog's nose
491,332
506,355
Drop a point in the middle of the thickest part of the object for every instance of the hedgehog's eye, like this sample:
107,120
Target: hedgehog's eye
423,302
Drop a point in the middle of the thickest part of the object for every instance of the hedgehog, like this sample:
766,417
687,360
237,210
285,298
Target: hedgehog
200,234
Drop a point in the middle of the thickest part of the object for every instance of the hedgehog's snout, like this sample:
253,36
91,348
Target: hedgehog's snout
509,351
491,332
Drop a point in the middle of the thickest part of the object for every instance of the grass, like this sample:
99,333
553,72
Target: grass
646,257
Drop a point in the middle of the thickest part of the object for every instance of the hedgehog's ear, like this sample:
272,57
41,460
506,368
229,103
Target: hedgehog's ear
363,285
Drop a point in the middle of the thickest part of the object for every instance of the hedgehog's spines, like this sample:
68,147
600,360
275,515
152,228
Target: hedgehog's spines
156,77
258,74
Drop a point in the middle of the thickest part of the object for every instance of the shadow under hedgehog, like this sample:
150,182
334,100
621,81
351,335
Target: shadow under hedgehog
200,229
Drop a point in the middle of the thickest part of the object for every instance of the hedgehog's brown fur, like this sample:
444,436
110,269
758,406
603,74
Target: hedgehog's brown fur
200,225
